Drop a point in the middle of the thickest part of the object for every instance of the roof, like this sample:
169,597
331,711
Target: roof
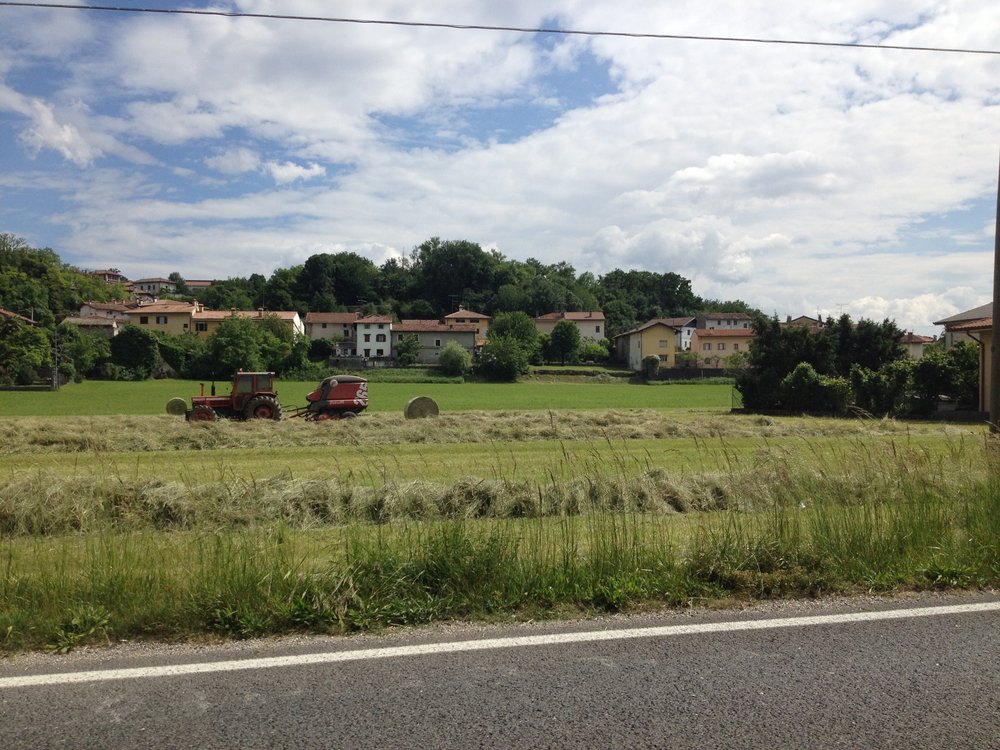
574,316
164,306
724,316
154,281
11,314
652,324
976,313
92,321
463,313
432,326
375,319
332,317
199,283
721,333
972,325
680,322
109,306
207,315
916,338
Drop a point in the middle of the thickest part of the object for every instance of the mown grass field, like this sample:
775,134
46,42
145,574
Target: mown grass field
136,524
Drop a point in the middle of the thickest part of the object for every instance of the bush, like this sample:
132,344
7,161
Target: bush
504,358
454,359
883,391
803,389
650,366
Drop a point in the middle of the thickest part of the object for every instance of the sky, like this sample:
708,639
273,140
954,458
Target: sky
802,179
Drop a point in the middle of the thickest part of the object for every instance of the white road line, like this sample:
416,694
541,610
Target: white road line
391,652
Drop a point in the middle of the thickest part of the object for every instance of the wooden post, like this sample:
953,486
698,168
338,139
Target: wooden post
995,338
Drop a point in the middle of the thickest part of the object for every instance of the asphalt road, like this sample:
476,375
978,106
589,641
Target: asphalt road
795,675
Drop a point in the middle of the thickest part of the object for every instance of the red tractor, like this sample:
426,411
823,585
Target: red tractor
252,396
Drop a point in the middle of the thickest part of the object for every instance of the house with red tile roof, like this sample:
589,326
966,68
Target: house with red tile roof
434,335
590,324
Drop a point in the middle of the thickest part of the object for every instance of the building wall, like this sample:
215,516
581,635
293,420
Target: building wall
658,341
432,342
374,339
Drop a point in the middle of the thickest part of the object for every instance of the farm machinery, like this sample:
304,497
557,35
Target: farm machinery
253,396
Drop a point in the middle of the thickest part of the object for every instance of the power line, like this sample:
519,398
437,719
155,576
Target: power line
511,29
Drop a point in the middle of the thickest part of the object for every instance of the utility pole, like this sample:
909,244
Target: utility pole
995,337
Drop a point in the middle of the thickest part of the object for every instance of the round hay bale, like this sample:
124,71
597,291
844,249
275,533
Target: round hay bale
420,407
177,406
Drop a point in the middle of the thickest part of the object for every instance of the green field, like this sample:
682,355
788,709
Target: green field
529,500
94,397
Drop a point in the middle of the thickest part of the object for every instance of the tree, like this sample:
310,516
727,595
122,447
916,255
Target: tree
236,345
408,349
503,358
454,359
24,349
85,351
517,325
565,341
135,350
447,271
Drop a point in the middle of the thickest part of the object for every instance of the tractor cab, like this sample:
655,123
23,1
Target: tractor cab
246,385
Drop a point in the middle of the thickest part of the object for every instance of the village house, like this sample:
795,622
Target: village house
469,317
714,346
153,287
657,338
975,325
730,321
206,322
954,329
434,335
339,326
915,344
374,336
590,324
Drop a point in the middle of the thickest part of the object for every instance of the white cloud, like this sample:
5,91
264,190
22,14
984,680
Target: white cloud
234,161
286,172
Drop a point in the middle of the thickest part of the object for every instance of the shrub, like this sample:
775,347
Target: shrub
803,389
504,358
454,359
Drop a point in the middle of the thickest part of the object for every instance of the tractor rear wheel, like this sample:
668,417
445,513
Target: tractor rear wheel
202,413
263,407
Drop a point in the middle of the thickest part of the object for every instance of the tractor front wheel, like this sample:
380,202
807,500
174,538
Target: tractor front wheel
263,407
202,413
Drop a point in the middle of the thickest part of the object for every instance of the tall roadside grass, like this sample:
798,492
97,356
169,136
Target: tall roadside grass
342,562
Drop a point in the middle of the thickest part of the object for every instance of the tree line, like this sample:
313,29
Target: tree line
847,366
440,275
435,279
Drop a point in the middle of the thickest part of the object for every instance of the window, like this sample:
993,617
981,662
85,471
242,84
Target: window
144,320
161,320
368,338
400,337
597,329
201,327
437,343
381,326
707,346
663,343
380,352
736,347
380,338
722,347
746,325
323,325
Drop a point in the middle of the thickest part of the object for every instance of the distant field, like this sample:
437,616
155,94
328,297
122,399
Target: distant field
94,397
